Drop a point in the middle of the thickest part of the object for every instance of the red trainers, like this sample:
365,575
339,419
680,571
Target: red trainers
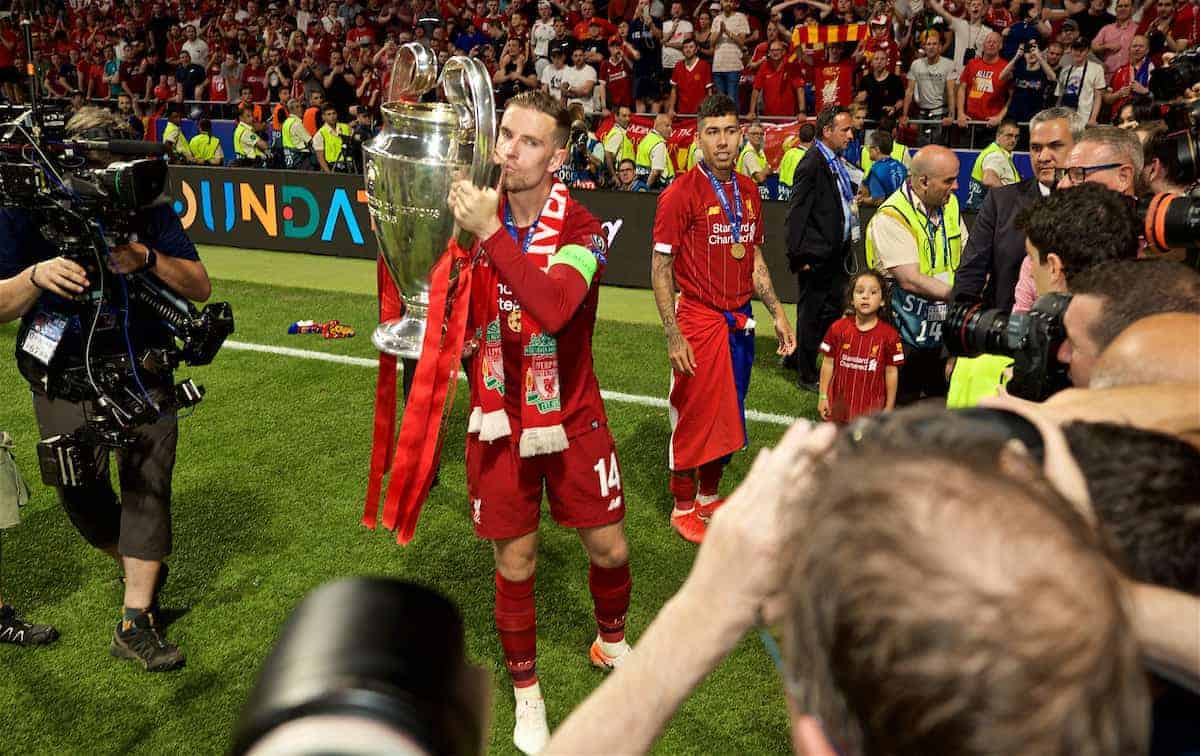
689,525
706,511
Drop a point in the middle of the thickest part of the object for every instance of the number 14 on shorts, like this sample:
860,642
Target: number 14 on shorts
610,479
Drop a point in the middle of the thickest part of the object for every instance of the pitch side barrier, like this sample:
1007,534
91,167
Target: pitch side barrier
326,214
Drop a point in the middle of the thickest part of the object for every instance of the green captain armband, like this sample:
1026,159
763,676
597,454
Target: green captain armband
580,258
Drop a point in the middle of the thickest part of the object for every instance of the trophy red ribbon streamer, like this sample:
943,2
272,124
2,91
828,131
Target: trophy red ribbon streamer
413,464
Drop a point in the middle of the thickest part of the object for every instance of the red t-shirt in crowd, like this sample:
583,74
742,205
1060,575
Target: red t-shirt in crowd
218,88
999,18
833,84
986,94
618,83
860,359
357,34
582,407
778,86
256,79
581,30
691,85
692,226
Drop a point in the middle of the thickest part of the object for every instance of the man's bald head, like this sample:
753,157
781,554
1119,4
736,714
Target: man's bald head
934,173
1157,349
932,158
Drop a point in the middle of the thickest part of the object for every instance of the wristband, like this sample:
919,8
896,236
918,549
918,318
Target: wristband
823,397
32,280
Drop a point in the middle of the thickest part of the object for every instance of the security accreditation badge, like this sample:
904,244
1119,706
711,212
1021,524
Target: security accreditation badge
733,214
45,332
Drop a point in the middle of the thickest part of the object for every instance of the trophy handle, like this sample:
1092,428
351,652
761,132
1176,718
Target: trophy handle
414,72
467,84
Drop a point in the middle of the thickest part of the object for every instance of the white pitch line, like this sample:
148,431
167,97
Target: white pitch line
608,396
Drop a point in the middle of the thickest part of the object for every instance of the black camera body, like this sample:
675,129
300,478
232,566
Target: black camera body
1032,339
83,213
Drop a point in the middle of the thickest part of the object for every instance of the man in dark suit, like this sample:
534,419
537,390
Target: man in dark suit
991,263
822,221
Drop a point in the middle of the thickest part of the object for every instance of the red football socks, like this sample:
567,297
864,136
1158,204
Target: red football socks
610,587
516,622
710,477
683,488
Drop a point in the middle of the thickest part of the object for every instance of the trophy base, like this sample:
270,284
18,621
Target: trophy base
404,337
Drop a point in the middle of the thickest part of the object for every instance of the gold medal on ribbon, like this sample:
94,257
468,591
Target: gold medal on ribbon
514,321
738,251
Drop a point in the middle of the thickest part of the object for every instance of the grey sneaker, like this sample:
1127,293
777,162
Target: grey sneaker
140,641
14,629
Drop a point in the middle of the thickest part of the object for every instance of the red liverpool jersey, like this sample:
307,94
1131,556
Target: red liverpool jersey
691,225
859,360
582,407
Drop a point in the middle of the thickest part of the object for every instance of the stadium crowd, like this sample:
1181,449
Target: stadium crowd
926,72
1023,581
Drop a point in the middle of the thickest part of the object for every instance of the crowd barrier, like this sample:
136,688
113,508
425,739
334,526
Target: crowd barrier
327,214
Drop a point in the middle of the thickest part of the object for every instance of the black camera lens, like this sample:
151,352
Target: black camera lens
971,331
377,653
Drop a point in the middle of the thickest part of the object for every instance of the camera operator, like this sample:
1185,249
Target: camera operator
136,529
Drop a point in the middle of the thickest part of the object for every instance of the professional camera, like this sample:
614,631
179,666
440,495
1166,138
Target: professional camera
1172,221
578,164
404,687
1172,81
1032,339
83,212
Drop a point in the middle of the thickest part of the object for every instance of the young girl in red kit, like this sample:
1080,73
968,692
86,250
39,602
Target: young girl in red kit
862,355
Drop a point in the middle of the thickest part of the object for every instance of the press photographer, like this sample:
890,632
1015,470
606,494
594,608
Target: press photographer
98,343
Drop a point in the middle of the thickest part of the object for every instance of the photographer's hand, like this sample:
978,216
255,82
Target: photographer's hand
128,258
59,276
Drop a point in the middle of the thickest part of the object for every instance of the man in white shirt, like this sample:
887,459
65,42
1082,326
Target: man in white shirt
195,47
541,35
730,30
553,76
969,32
1081,86
931,86
675,31
580,80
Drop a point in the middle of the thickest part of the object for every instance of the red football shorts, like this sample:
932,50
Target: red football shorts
582,483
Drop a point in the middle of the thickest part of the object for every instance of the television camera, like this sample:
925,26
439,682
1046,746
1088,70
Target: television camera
84,212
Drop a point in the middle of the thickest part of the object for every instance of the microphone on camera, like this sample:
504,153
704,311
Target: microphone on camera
128,147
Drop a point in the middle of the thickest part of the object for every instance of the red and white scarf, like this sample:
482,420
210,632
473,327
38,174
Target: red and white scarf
542,430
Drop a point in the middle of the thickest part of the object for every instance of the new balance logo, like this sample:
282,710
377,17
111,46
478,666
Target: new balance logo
614,504
476,511
12,635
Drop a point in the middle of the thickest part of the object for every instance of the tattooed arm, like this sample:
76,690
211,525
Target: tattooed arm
662,280
766,293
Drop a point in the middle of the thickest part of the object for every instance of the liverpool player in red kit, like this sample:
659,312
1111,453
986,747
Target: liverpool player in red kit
708,244
863,355
537,420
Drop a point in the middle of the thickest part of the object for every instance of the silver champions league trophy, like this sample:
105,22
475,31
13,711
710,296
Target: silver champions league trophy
423,148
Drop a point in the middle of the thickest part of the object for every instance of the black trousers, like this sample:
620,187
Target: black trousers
821,301
139,524
923,375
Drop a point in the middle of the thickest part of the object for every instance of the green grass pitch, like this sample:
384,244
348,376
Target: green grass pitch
267,498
